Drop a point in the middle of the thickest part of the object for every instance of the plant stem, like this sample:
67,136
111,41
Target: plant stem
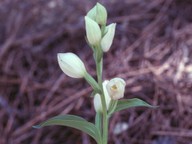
99,67
98,120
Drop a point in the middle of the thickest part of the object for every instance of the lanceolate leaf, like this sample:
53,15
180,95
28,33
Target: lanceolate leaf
74,122
128,103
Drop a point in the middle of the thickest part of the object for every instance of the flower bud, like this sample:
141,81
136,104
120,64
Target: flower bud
71,65
93,31
97,99
101,16
116,88
97,103
98,13
92,13
107,40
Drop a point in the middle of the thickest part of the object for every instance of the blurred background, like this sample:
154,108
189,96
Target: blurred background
152,51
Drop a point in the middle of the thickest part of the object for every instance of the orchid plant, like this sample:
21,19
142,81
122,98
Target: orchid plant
107,94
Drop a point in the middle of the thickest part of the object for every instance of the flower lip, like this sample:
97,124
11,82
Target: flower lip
114,87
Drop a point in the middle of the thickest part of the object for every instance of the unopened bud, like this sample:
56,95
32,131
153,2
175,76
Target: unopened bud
71,65
107,40
98,13
101,17
93,31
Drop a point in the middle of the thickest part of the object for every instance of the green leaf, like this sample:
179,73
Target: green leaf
74,122
112,106
128,103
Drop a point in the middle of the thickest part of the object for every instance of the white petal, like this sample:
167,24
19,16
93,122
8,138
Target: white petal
107,97
107,40
93,31
71,65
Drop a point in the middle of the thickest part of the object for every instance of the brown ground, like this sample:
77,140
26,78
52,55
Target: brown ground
152,51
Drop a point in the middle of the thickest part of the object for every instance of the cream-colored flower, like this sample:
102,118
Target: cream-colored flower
97,99
107,40
93,31
71,65
98,13
116,88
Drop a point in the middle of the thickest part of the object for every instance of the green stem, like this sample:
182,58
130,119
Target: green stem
98,120
98,56
103,29
99,66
